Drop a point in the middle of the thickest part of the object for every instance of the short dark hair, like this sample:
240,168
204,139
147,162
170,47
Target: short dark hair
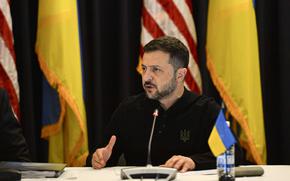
179,55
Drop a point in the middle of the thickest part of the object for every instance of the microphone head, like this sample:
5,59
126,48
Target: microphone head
155,113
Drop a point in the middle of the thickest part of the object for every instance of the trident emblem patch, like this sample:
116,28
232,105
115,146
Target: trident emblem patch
184,135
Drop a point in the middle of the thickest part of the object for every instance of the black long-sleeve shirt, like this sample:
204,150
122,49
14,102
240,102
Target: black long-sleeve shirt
183,129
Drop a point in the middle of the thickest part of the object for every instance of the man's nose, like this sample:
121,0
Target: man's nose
147,76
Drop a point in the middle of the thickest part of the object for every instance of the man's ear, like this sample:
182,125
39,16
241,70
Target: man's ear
180,74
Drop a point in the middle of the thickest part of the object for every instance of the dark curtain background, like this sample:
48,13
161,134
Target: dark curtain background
273,19
110,36
24,18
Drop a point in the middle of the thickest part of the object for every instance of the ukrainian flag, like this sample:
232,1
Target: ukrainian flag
234,66
58,51
221,137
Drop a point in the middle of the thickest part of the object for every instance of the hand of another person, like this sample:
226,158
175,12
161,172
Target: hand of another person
102,155
181,163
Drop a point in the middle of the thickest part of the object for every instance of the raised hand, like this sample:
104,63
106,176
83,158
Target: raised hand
102,155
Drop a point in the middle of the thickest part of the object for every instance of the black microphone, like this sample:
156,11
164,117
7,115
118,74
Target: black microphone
149,172
155,114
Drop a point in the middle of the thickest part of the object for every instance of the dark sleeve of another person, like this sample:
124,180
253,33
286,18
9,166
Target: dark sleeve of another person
12,142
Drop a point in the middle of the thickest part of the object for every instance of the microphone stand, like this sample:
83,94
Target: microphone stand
155,114
149,172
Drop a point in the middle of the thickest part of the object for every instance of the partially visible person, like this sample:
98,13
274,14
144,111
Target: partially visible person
13,145
184,123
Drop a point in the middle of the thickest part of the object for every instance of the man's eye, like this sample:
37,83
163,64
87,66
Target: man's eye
143,69
156,69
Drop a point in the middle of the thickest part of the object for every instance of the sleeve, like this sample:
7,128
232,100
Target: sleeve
205,159
14,147
113,128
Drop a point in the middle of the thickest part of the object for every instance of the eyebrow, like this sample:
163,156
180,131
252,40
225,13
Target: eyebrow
151,66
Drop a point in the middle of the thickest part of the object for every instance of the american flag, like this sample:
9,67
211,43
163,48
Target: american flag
173,18
8,73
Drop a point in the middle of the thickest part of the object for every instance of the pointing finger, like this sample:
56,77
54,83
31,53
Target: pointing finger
111,142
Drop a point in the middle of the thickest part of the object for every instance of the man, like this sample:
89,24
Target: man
12,143
184,123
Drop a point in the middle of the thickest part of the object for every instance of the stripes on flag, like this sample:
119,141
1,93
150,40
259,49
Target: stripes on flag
172,18
8,72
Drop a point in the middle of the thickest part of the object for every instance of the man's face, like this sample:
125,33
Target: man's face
158,75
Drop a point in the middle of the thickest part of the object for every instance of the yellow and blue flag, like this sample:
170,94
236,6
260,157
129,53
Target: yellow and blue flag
221,137
233,63
58,51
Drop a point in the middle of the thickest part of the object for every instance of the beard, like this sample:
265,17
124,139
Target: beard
163,92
